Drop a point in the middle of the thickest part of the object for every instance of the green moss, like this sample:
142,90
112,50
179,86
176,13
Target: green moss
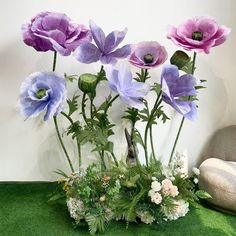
24,211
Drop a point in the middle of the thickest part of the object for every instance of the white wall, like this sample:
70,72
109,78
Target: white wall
29,150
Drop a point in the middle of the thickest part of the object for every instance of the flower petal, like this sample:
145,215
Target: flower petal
113,40
122,52
87,53
98,35
185,86
112,77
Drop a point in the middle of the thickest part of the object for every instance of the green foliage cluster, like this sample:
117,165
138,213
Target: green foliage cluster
121,193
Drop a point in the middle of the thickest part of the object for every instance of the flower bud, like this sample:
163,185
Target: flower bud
87,83
180,59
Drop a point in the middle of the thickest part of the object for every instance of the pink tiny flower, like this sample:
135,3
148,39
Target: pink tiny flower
148,55
156,198
169,189
199,34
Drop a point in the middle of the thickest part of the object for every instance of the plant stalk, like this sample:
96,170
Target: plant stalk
62,144
156,105
182,121
55,121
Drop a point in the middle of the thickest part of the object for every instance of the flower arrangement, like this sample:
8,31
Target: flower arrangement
111,188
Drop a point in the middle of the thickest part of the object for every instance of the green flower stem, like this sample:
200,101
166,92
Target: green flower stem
110,103
101,154
156,105
55,122
77,139
83,108
91,108
62,144
151,141
182,121
114,158
54,61
103,164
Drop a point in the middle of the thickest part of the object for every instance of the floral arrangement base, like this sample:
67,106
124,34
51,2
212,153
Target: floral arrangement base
147,194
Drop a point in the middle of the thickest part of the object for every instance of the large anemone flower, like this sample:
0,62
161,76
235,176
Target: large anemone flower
41,92
198,34
147,55
176,89
105,47
56,32
130,91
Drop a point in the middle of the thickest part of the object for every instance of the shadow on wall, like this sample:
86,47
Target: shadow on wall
16,59
222,145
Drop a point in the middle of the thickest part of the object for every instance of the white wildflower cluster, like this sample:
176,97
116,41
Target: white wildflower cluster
176,167
145,217
76,208
180,209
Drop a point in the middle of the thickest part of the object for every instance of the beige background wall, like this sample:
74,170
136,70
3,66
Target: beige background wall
29,150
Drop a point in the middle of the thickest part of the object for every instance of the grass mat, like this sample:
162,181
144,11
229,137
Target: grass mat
24,211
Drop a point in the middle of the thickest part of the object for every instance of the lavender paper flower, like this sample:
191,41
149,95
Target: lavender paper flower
148,55
130,92
175,88
105,48
55,32
42,92
198,34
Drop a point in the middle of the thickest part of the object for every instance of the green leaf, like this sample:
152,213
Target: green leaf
202,194
71,78
62,173
188,67
156,88
180,59
132,115
73,104
131,215
137,138
131,182
199,87
96,222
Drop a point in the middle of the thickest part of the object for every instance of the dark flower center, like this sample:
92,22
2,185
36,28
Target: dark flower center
148,58
197,35
41,93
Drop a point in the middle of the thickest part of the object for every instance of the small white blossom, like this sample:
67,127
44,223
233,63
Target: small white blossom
154,178
151,192
156,186
196,171
180,209
156,198
145,217
102,198
76,208
195,180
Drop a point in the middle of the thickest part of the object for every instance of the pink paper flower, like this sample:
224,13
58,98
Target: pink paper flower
148,55
169,189
199,34
156,198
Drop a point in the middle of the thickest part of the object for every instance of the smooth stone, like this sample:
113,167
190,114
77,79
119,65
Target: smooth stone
218,178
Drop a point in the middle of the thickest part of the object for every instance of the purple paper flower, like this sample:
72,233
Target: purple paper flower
55,32
175,88
148,55
198,34
105,48
130,92
40,92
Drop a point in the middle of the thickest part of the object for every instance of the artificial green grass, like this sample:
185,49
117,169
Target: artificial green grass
24,210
